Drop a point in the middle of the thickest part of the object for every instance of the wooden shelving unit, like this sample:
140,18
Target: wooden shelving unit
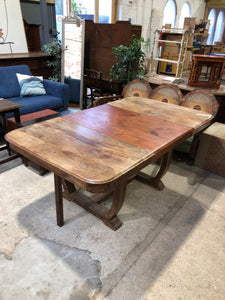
169,50
201,31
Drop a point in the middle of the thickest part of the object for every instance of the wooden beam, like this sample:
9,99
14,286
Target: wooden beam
70,6
48,1
215,4
114,11
96,11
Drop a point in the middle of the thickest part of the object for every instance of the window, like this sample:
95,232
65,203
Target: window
169,13
185,13
105,11
212,18
102,11
219,28
216,27
84,8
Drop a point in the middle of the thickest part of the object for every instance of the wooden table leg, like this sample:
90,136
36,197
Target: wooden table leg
111,218
5,128
68,187
156,182
17,117
58,200
92,204
84,99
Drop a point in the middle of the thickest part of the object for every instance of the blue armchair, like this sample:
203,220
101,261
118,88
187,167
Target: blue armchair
56,97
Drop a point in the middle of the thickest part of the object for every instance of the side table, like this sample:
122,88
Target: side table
7,106
215,66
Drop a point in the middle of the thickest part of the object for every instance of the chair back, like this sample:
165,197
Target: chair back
167,93
93,78
201,100
104,100
137,88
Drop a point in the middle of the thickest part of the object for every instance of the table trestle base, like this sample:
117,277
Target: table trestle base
9,158
155,181
66,189
91,204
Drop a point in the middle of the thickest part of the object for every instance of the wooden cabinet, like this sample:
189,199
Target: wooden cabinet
37,62
101,38
33,36
213,65
201,31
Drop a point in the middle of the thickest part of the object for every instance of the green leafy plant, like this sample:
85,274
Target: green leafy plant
130,60
54,49
77,7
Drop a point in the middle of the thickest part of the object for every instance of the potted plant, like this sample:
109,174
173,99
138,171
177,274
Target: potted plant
54,49
130,60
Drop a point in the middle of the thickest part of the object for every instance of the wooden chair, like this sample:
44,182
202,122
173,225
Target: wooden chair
167,93
104,100
94,83
137,88
200,100
134,88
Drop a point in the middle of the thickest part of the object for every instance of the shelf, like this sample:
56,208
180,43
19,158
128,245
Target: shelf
166,41
173,50
168,73
167,60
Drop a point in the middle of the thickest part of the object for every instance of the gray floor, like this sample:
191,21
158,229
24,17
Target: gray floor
171,244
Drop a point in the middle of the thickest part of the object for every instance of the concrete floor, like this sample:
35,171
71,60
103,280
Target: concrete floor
171,244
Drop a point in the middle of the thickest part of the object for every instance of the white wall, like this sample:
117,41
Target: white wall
149,13
15,27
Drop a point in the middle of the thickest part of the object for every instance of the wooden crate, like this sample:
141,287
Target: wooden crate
189,23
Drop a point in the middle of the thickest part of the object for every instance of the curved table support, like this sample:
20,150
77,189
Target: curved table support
156,182
66,189
91,204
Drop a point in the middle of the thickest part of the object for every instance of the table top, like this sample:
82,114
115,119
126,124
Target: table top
162,79
217,54
102,145
208,57
7,105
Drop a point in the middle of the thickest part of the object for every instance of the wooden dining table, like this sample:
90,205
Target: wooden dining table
100,150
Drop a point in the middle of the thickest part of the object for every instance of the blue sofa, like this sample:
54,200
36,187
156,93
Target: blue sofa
56,97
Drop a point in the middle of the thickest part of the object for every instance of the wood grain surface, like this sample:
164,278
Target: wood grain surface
76,153
141,130
6,105
101,145
195,119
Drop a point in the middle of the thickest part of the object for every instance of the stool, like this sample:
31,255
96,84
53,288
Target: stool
211,151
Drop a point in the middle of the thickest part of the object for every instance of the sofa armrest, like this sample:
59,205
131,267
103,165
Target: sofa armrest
58,89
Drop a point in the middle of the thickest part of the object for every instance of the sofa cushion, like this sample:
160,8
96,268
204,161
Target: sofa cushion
9,86
30,85
37,103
